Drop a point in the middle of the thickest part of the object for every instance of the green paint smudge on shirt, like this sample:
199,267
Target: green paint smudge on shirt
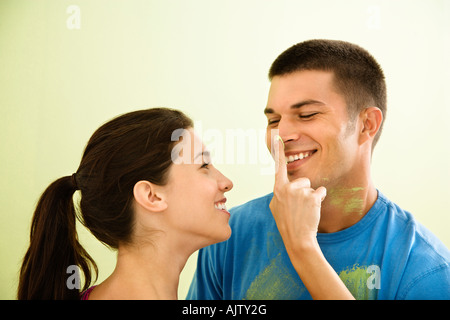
274,282
355,279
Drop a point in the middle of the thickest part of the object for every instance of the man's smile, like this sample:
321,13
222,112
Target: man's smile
298,155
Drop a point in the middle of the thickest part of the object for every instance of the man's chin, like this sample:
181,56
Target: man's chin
315,180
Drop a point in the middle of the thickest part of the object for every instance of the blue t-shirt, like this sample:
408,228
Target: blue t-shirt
386,255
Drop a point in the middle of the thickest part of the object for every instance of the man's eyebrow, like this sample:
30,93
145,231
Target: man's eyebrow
305,103
298,105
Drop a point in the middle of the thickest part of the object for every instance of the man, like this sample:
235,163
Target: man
325,231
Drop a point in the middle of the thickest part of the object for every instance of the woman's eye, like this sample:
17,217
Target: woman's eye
205,165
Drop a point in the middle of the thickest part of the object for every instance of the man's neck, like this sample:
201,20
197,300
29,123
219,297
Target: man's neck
344,206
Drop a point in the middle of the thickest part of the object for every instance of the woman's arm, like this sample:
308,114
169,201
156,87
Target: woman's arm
317,275
296,209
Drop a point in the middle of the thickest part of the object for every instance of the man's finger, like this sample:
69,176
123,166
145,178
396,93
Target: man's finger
280,160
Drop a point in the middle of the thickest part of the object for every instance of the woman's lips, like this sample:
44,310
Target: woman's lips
220,205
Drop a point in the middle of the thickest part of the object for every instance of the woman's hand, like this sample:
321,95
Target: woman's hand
295,207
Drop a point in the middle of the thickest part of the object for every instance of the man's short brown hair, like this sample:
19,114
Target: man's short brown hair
357,75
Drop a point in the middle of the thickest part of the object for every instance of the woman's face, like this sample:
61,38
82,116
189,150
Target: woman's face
195,194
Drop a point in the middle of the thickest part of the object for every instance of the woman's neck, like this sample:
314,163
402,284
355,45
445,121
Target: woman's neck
148,271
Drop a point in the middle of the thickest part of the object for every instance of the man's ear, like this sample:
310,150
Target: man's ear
371,119
149,196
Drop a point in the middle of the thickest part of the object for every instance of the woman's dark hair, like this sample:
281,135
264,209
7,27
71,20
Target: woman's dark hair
132,147
357,75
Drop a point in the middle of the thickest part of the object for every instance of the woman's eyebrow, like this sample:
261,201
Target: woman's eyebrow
268,110
205,154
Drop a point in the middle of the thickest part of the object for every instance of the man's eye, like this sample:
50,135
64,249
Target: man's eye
307,116
274,121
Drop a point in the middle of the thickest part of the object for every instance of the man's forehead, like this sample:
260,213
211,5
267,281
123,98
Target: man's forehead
298,89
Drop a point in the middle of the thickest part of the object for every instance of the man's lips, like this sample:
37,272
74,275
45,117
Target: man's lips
294,156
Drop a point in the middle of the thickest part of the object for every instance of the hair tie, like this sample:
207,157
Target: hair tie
74,181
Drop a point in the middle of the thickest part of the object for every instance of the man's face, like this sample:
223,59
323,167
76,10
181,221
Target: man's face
313,122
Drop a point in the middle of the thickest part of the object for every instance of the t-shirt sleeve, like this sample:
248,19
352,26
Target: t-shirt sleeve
206,284
434,285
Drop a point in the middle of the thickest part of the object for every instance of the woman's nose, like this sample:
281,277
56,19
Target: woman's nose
225,184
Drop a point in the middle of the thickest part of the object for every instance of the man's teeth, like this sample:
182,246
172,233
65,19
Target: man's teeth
300,156
220,206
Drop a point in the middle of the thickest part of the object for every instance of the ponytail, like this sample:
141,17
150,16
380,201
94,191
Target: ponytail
54,246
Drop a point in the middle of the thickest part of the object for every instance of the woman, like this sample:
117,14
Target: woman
137,198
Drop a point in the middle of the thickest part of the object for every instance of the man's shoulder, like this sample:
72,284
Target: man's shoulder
423,253
411,227
427,250
427,270
406,225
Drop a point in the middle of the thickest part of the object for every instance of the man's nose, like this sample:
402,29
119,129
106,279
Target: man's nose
288,130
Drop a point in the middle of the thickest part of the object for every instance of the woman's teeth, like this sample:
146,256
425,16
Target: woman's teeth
220,206
300,156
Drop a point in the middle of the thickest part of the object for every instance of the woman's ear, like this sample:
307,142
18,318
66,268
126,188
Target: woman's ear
371,121
149,196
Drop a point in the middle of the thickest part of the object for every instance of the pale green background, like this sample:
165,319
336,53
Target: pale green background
209,58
